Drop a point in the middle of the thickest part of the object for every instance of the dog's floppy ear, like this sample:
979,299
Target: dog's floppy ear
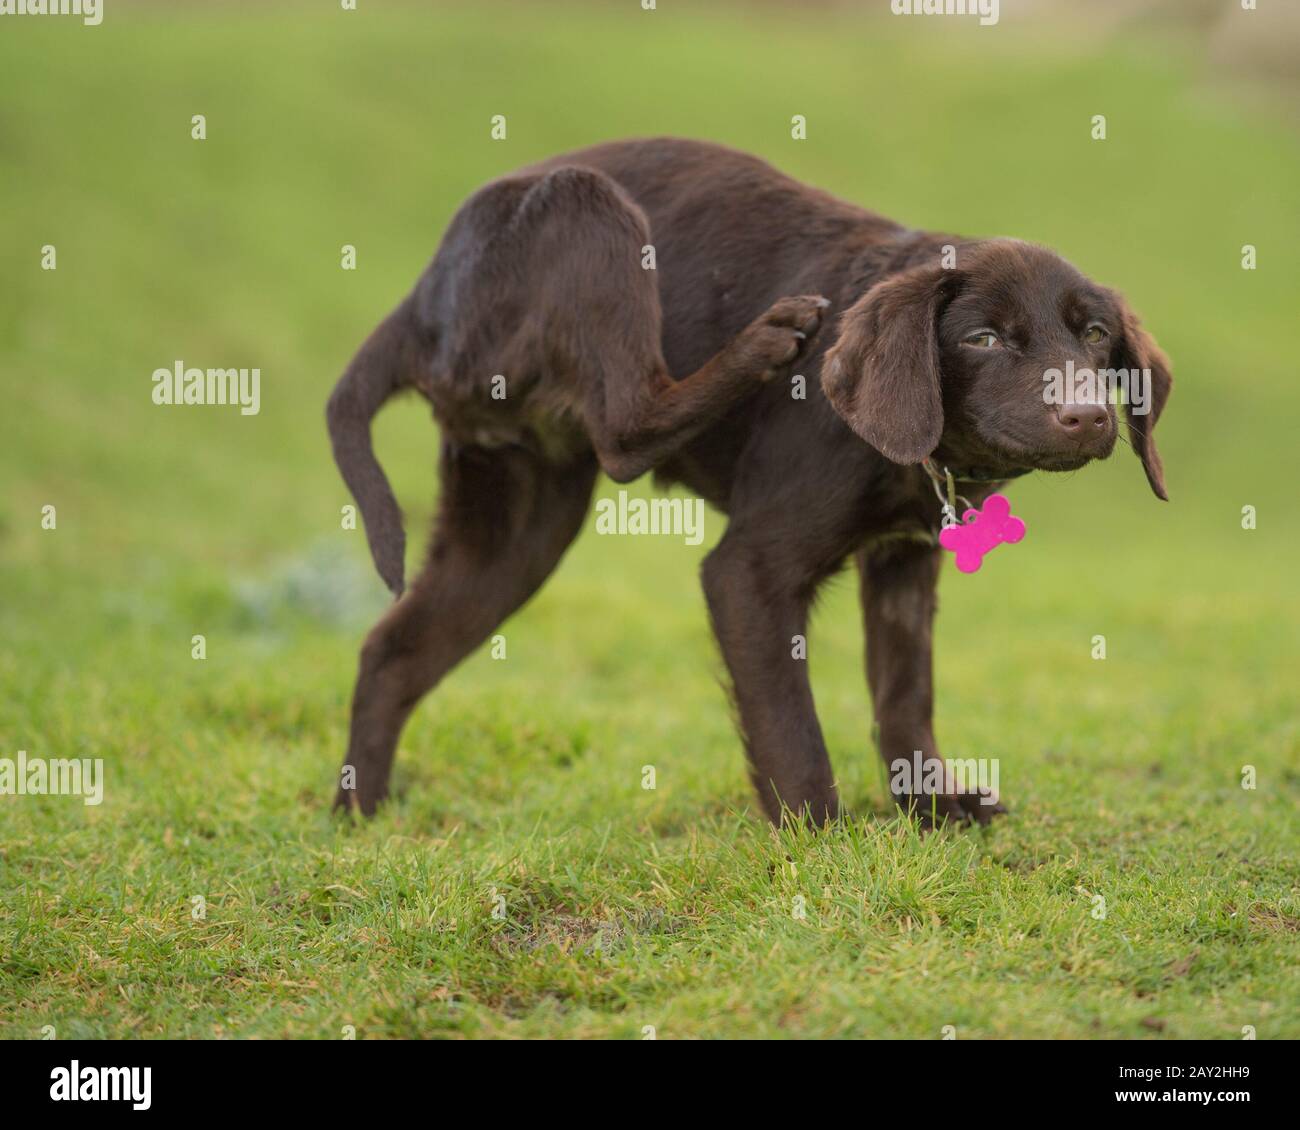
1137,352
882,374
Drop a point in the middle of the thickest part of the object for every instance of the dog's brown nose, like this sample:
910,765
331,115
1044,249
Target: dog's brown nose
1084,422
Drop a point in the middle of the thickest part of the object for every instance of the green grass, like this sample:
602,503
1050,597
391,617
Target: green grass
624,908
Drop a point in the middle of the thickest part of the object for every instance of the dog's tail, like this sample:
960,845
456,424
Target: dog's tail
384,365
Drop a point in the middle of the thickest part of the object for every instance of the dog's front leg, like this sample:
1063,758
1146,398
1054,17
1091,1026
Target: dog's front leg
899,600
759,618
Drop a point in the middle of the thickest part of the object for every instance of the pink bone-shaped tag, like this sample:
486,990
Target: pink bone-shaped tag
980,531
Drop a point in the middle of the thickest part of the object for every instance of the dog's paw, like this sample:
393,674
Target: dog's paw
980,806
356,802
781,335
932,810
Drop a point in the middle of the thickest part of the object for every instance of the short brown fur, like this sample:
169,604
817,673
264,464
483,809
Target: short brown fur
685,370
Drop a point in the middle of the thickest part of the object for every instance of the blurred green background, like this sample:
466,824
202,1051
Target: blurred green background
628,908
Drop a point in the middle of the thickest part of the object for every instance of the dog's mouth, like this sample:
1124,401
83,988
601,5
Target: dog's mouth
1015,455
1050,461
1063,462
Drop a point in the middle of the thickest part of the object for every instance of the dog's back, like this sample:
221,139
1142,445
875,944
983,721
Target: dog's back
731,235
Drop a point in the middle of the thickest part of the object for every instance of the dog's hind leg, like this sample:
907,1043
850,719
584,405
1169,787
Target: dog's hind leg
542,274
506,517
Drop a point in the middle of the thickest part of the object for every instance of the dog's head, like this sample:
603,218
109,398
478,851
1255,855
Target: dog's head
1008,360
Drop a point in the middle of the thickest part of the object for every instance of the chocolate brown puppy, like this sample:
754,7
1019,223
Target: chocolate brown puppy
549,352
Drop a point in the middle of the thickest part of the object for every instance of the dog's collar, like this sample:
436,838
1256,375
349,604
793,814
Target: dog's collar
969,474
945,486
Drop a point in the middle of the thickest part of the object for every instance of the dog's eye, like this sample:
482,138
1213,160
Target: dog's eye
985,339
1094,333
